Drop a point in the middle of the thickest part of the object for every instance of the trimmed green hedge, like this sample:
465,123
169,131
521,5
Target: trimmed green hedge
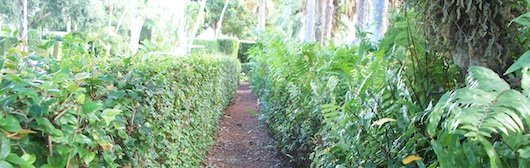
229,46
112,112
244,46
208,46
226,46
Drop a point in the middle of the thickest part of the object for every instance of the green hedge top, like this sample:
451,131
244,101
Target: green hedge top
227,46
244,46
111,112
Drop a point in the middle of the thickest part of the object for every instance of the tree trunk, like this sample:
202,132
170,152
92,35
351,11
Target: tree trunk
327,21
198,22
309,33
361,14
318,19
136,23
68,24
378,13
262,14
23,26
220,22
111,9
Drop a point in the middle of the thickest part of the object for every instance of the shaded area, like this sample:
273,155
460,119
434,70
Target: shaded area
241,141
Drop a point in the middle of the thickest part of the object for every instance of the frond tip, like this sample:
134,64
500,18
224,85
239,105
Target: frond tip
470,121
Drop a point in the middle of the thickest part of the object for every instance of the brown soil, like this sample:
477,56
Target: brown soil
242,142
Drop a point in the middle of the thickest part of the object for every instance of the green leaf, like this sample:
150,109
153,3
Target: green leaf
91,106
12,158
525,82
486,79
83,139
5,148
48,126
4,164
35,111
524,153
29,158
89,157
437,113
80,98
12,124
523,61
110,114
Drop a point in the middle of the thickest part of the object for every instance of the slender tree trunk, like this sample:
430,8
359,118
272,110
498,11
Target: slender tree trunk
75,26
181,29
327,20
136,23
309,33
23,26
220,22
68,24
378,18
319,9
111,9
262,15
120,20
361,14
198,22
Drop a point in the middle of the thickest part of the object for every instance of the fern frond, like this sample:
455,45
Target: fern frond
482,112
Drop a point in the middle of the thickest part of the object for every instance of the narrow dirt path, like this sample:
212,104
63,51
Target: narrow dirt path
242,142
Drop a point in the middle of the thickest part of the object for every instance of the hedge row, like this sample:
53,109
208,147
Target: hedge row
244,46
227,46
111,112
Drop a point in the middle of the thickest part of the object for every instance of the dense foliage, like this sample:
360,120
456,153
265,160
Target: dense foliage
345,106
85,111
226,46
372,105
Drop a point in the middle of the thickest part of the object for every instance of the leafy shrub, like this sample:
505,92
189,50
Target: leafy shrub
208,46
337,106
226,46
229,46
482,124
244,46
135,111
6,43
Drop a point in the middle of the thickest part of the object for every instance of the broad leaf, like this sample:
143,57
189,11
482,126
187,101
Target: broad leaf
523,61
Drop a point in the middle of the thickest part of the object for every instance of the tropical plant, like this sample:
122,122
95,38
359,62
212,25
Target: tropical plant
484,123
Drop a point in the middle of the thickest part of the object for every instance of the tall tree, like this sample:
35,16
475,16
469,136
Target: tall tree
220,22
378,19
328,12
473,32
198,22
23,25
262,16
310,20
361,11
136,22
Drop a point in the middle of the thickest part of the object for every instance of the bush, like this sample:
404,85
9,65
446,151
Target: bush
337,106
227,46
6,43
244,46
208,46
111,112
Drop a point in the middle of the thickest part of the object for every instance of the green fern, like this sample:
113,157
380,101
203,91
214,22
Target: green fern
486,117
